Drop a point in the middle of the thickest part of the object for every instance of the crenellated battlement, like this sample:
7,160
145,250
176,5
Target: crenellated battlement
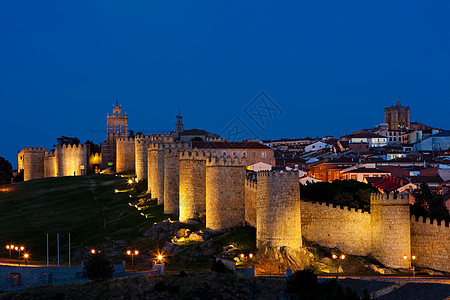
142,142
34,149
50,153
428,221
251,183
334,206
277,173
142,137
75,146
195,154
389,199
225,161
127,139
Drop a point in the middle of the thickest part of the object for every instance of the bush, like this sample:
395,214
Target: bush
301,282
160,286
219,267
98,268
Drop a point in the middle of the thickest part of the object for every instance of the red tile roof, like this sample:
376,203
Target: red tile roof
388,183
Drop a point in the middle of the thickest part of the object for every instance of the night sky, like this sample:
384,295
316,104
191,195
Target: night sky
329,68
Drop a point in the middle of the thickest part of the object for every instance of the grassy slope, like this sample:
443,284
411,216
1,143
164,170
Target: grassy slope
86,207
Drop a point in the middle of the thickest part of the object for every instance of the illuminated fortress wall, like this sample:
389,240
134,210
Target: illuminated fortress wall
192,184
50,165
125,154
225,192
172,177
141,155
31,160
430,242
278,210
341,227
72,160
156,152
391,238
251,194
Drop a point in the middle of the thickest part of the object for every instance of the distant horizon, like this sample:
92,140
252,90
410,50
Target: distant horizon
98,132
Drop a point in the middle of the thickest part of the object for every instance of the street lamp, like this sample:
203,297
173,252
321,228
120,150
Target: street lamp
10,247
339,259
410,259
21,248
26,256
132,253
93,251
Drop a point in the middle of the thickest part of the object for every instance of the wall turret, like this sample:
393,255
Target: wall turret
192,184
31,160
156,153
391,238
278,210
225,192
141,156
172,178
125,156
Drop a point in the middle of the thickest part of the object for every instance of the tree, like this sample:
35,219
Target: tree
130,133
5,171
98,268
94,148
65,140
430,204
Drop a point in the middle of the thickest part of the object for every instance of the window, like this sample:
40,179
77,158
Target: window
263,154
353,177
253,153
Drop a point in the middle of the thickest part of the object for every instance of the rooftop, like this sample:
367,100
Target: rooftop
229,145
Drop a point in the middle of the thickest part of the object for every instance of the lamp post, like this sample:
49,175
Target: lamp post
410,259
21,248
132,253
26,256
339,259
10,247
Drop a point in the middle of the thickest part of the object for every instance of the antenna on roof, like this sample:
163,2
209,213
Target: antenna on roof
117,102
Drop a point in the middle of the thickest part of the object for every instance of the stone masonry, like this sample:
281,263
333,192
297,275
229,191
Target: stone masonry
225,192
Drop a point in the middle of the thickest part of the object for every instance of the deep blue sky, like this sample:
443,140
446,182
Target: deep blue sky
330,66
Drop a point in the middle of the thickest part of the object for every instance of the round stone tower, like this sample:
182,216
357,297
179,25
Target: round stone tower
192,184
391,229
141,144
172,179
31,160
278,210
156,171
125,156
225,192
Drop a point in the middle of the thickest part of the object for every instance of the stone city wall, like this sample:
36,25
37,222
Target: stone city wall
192,184
125,155
225,192
278,210
342,227
430,243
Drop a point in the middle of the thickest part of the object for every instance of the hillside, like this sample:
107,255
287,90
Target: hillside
87,207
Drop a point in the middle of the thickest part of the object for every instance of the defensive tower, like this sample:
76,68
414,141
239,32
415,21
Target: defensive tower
125,156
141,143
192,184
31,160
156,171
391,237
225,192
278,210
